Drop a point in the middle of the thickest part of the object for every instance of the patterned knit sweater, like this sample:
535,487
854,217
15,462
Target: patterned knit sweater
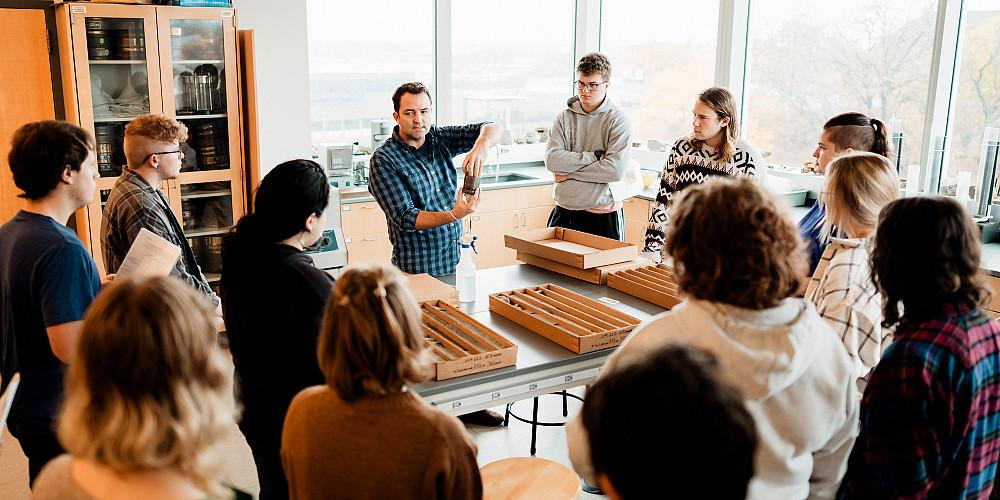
687,165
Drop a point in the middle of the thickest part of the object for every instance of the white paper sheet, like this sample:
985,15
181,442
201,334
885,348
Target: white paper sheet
150,255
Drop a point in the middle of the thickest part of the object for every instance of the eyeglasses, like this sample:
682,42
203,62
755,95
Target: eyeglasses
592,86
150,155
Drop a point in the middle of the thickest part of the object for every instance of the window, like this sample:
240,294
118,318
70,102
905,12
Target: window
977,99
810,61
662,55
511,62
358,55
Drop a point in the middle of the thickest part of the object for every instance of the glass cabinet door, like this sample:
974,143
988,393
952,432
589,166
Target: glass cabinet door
117,71
206,216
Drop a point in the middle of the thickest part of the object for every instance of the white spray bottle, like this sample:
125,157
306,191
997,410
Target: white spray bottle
465,272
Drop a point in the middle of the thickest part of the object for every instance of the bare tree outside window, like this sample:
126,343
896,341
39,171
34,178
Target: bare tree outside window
810,61
977,104
663,55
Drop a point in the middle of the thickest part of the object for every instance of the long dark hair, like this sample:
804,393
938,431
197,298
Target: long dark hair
926,255
858,132
289,194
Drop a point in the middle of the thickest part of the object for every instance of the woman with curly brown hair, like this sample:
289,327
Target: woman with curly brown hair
740,262
930,415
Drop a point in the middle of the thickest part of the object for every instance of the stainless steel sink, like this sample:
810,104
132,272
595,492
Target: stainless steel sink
503,178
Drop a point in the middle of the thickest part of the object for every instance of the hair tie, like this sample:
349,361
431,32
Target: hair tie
379,291
344,300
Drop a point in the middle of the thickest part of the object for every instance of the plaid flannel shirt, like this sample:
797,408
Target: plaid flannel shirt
844,295
132,205
405,181
930,415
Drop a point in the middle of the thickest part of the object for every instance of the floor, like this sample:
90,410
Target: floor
493,443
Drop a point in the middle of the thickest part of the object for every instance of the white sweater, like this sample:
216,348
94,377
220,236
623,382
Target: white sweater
795,375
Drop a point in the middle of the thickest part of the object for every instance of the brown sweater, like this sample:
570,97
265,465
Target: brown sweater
378,447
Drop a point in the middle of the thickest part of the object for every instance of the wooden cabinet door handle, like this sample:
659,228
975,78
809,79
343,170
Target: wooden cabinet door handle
369,238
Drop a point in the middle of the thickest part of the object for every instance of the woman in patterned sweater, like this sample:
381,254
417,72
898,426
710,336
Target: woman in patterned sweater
858,186
714,148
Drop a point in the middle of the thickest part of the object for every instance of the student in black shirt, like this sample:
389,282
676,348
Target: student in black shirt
47,277
272,301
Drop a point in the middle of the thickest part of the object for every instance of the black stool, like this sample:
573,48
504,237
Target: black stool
534,415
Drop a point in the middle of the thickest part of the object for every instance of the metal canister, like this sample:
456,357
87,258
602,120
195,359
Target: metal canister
210,144
131,44
98,39
104,135
212,256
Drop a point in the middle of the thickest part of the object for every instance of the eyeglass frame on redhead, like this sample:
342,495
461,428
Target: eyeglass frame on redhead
590,86
150,155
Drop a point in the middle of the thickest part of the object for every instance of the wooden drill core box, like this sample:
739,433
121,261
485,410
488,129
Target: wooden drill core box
654,284
461,345
567,318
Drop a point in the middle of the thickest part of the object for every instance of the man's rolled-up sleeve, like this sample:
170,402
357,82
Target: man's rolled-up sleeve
387,187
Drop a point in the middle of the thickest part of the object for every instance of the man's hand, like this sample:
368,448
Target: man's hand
474,160
108,279
465,204
560,178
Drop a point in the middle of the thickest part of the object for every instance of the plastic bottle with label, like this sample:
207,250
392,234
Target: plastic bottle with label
465,272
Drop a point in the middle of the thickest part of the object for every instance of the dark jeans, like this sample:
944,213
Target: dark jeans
38,442
610,225
263,433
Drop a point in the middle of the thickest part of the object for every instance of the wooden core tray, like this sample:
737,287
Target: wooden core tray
567,318
654,284
461,345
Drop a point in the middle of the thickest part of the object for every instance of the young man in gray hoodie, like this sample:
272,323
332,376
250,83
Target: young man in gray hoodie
588,150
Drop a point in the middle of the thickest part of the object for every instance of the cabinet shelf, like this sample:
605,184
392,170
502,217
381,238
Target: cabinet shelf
111,62
198,61
207,194
115,119
213,231
200,117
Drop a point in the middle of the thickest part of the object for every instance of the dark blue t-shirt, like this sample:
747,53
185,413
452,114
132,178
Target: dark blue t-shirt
811,229
47,278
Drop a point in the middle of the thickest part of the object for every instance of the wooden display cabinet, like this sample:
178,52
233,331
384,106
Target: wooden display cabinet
121,61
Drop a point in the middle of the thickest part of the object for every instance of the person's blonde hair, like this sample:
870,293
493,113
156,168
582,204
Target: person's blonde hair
148,387
858,185
724,105
144,132
371,342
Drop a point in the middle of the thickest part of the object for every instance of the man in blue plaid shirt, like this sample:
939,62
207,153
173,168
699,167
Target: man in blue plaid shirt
414,181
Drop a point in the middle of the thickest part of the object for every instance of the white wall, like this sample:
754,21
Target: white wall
282,61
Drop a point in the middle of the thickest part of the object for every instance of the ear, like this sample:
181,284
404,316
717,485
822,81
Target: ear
67,175
395,116
725,121
311,222
848,150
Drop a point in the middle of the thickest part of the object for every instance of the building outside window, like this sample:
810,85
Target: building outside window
511,62
358,57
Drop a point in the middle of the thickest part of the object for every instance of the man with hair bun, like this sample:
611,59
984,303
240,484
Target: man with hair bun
153,151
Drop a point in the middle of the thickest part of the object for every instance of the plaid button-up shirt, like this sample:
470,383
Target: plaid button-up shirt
405,181
132,205
930,415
